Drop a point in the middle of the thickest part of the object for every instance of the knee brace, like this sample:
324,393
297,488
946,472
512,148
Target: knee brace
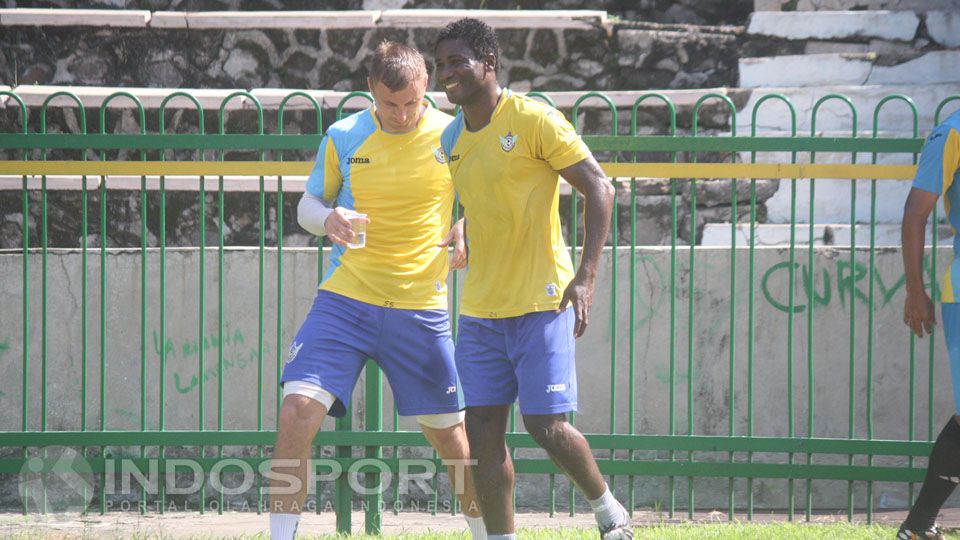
440,421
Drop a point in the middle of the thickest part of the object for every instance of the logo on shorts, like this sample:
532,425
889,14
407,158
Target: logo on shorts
294,350
508,141
551,289
551,388
441,157
451,390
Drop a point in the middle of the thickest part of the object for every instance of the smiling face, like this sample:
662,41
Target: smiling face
398,112
461,75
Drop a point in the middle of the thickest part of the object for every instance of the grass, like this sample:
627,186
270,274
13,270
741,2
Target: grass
726,531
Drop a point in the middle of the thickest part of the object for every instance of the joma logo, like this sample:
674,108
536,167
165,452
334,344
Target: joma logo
359,160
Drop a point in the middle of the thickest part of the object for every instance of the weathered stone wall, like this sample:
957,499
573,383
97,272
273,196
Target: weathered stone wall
625,56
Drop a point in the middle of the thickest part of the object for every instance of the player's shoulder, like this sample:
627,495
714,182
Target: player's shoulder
450,134
358,125
952,123
529,114
436,120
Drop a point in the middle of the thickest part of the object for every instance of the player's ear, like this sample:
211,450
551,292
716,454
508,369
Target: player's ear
490,63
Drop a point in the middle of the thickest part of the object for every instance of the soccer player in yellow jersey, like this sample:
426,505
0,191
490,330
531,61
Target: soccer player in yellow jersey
938,176
387,300
522,304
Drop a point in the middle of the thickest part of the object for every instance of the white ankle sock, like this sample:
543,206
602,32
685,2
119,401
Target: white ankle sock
283,526
608,510
477,529
510,536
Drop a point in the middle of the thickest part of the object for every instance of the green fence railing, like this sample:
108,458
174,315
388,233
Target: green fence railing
739,452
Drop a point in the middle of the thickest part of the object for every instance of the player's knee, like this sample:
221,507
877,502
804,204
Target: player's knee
440,421
545,429
303,402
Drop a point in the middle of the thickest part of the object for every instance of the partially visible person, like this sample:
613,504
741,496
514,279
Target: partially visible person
387,300
523,305
937,176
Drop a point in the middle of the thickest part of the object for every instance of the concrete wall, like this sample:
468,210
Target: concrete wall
609,331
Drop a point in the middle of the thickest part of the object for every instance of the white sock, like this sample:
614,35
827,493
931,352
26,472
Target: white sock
283,526
510,536
608,510
477,529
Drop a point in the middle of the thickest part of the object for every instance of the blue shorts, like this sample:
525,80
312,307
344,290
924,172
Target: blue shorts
413,347
951,331
530,357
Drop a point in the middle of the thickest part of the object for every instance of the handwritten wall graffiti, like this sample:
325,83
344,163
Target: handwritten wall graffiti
237,355
846,279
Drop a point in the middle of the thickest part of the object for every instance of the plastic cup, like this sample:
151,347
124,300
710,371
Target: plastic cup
358,222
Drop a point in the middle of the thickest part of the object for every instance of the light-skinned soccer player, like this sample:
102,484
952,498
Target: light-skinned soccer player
388,300
938,175
523,305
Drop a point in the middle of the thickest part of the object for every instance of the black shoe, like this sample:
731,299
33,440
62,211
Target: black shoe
933,533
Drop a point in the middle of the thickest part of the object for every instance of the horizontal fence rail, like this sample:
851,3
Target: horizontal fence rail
737,377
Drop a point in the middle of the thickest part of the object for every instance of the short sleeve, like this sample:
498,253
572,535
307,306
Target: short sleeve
325,178
938,161
560,145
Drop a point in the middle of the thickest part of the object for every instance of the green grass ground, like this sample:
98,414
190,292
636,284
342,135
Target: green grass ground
726,531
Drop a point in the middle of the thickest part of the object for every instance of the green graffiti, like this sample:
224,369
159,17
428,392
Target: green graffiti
4,347
852,281
191,347
240,361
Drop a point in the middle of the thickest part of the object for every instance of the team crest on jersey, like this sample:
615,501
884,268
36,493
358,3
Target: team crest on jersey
508,141
293,351
441,157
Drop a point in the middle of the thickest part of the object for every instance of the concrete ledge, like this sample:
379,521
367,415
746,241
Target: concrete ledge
770,234
74,17
935,67
397,18
151,98
835,116
429,18
270,98
266,19
892,25
806,70
944,27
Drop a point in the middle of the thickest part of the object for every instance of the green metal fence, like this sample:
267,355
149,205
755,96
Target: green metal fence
630,454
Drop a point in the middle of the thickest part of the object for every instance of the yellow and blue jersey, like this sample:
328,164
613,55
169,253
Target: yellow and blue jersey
401,181
506,177
939,173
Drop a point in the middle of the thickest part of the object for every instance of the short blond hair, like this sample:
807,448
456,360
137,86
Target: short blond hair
396,65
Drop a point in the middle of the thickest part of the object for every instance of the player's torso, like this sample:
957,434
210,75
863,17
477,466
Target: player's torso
402,183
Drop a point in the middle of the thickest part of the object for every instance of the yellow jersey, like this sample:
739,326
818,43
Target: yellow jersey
506,177
401,181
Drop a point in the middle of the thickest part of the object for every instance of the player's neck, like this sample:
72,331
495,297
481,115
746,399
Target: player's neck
479,113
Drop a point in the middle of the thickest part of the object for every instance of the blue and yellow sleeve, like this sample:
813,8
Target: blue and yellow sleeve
939,161
560,146
325,178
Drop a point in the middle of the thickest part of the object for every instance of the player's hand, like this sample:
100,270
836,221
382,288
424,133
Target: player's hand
455,237
338,227
579,295
918,313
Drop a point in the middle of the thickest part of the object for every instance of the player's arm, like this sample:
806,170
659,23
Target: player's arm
588,178
315,212
918,311
938,165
